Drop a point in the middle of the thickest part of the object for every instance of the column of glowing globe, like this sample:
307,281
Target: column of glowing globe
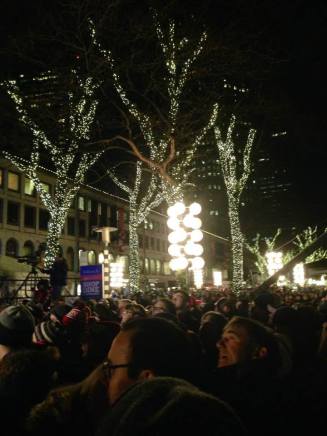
176,237
192,246
185,236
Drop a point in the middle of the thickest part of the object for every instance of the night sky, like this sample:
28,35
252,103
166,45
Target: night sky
275,48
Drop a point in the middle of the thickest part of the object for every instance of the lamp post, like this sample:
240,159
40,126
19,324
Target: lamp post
105,233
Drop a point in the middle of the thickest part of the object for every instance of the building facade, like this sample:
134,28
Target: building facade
24,221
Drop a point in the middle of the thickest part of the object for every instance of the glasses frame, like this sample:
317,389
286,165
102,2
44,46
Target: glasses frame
108,367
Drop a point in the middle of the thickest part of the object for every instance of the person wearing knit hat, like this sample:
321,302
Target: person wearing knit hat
58,311
16,328
49,333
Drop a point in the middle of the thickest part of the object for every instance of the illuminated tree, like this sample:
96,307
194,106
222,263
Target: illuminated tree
70,165
143,195
173,167
160,144
306,238
235,184
259,247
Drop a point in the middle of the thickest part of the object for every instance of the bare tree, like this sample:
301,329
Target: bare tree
70,165
235,184
171,162
144,194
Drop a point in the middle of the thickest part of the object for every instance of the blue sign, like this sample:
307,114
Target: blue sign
91,282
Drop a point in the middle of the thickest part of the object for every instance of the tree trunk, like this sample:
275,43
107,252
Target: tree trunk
134,258
55,226
297,259
237,246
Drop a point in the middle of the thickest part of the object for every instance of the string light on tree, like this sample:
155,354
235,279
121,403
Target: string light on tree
234,186
70,165
160,144
143,195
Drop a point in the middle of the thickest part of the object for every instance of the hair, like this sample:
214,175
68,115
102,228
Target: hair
185,295
161,346
259,336
169,305
137,309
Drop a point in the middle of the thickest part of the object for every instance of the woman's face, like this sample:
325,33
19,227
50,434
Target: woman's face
126,315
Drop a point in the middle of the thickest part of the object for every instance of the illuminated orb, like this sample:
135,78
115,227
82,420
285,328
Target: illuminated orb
198,263
174,250
195,208
196,236
173,223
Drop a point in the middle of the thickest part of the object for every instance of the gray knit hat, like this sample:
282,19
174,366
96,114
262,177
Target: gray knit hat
16,326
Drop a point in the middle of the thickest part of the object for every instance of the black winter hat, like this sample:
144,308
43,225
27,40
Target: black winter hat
50,333
16,326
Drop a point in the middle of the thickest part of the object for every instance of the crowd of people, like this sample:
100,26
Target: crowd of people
205,362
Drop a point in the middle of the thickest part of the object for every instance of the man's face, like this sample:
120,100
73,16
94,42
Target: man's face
233,345
178,300
119,354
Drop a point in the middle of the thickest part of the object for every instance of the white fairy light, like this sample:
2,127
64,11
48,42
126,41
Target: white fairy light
64,157
177,74
234,186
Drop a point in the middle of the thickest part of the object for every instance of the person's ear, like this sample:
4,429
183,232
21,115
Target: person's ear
146,374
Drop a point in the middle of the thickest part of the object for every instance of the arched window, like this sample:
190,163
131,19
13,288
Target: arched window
28,248
70,257
147,265
152,266
12,248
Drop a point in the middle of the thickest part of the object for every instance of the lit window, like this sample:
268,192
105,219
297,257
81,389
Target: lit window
29,188
13,181
99,208
89,205
1,178
146,264
81,203
91,257
46,187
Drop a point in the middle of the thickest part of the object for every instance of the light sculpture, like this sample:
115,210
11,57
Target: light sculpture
184,239
217,278
298,274
274,262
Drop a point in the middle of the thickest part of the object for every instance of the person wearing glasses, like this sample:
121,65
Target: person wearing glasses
147,348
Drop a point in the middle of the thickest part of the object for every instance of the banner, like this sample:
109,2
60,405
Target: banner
91,278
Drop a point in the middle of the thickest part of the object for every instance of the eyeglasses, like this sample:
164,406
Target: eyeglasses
109,367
